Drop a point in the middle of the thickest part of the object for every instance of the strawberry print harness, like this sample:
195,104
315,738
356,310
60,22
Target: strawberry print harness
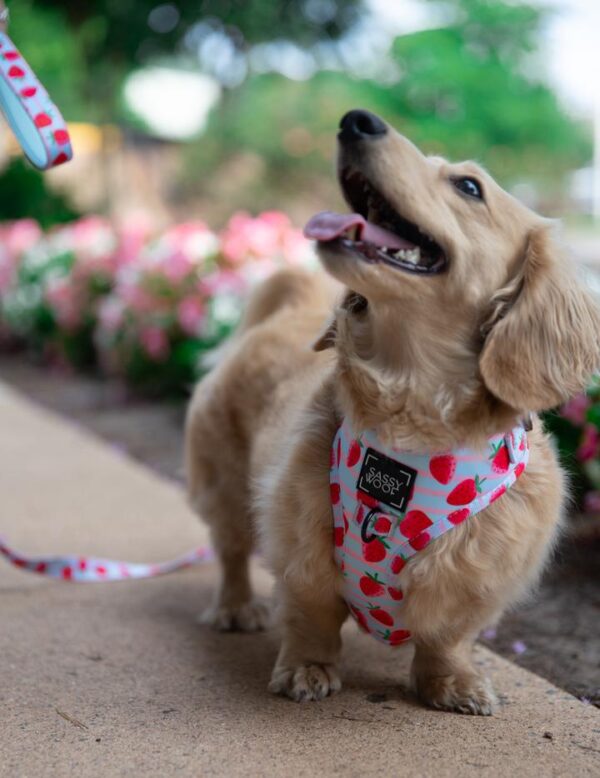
389,504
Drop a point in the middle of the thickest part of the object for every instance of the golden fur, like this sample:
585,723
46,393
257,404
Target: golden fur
432,362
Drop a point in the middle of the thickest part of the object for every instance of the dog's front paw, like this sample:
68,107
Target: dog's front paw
250,616
462,693
305,682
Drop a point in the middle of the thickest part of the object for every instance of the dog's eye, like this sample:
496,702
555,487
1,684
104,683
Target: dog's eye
469,186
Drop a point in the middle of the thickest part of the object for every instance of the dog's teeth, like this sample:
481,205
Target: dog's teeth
409,255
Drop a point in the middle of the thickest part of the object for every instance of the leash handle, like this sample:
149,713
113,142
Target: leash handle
36,122
89,569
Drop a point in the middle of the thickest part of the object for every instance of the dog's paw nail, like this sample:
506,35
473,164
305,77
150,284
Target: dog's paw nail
250,616
473,696
307,682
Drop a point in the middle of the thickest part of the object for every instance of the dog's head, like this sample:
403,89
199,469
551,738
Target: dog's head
457,292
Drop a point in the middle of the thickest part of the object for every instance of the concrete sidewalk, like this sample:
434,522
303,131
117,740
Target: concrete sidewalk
145,690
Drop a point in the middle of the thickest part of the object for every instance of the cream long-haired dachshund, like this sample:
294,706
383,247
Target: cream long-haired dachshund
382,451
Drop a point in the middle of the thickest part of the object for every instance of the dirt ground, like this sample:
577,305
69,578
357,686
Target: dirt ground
556,634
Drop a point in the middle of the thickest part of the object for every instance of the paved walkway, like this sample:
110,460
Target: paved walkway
117,679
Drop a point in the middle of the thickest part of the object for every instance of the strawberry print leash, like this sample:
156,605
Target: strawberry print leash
88,569
35,120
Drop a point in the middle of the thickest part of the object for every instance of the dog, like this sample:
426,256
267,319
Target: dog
458,321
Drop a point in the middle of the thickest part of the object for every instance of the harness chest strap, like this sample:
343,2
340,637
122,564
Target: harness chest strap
388,505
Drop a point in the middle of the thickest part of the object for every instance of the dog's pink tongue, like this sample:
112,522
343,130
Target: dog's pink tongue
328,226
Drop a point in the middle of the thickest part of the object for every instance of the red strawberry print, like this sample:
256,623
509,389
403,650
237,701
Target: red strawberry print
371,586
383,617
383,525
67,573
41,567
466,491
345,518
367,500
420,541
414,523
334,491
16,72
339,451
100,570
360,618
522,443
456,517
11,55
500,459
42,120
360,514
398,563
519,469
82,564
353,454
60,158
375,551
338,536
28,91
396,637
497,493
395,593
442,468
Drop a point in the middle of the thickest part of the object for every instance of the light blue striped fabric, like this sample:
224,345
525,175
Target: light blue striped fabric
431,494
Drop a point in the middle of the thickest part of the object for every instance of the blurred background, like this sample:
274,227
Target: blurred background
205,106
204,137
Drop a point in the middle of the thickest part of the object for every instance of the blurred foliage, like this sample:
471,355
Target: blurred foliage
131,30
472,88
23,192
47,42
115,36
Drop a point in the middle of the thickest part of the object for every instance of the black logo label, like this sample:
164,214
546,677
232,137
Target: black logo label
386,480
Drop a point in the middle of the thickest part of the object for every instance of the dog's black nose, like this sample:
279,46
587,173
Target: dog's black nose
361,125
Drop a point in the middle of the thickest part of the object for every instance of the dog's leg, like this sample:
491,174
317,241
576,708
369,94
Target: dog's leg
227,515
445,609
234,607
311,618
443,676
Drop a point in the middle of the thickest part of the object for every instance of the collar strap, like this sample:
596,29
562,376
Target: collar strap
36,122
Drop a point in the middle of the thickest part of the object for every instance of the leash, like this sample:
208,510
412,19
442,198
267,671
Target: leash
89,569
36,122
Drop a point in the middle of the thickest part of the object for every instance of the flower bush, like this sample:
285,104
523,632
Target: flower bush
145,307
576,426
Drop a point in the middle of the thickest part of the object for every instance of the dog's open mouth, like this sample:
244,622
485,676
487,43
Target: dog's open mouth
375,231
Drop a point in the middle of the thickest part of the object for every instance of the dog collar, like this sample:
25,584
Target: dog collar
390,504
35,120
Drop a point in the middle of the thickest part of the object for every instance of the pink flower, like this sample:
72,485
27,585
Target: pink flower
591,502
190,314
221,282
61,296
575,409
155,343
21,235
111,314
588,448
135,297
177,266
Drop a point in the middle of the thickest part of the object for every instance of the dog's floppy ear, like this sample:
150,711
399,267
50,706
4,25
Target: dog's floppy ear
543,341
327,338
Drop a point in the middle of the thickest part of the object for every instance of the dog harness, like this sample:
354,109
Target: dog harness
389,504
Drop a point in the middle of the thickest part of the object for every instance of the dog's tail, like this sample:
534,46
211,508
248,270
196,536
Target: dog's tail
290,287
